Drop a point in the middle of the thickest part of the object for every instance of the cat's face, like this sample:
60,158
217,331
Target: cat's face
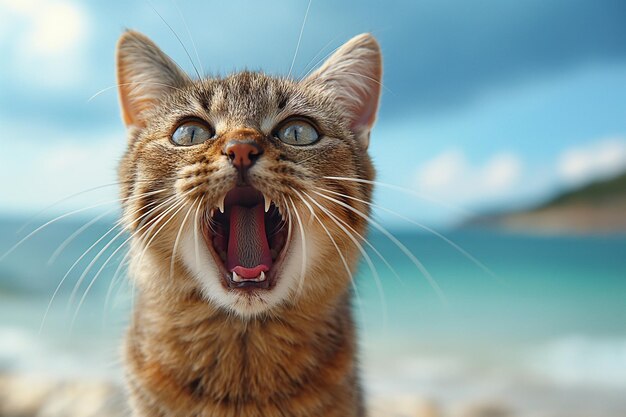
225,179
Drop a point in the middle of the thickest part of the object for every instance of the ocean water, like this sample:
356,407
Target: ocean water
528,320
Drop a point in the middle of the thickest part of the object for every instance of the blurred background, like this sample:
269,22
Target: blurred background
501,155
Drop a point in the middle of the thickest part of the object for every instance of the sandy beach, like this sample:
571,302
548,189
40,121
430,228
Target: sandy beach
40,396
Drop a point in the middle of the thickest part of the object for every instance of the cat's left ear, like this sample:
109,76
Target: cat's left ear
354,75
144,75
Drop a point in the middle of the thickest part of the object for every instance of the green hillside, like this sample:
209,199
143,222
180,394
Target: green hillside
595,193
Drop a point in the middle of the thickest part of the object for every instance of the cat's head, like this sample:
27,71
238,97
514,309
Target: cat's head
228,182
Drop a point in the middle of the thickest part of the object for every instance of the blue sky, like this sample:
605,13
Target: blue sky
487,104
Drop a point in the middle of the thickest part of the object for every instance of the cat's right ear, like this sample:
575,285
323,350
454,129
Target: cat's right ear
144,75
354,75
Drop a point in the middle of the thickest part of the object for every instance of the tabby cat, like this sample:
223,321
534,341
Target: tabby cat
244,237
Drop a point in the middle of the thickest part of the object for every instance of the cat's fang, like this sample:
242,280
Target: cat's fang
236,278
220,203
268,202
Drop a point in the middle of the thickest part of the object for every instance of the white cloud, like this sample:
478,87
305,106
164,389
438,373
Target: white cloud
443,170
597,160
45,41
501,171
450,175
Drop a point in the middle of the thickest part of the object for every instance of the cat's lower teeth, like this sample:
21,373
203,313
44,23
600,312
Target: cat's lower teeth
237,278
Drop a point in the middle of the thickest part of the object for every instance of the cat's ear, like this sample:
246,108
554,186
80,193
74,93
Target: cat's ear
144,75
354,74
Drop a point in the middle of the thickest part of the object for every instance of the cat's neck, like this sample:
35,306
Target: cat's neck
187,358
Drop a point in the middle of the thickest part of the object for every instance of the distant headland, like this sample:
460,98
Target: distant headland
595,208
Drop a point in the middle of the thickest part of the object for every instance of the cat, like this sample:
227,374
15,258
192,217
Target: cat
244,238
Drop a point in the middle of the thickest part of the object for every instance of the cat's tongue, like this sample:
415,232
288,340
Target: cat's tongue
248,248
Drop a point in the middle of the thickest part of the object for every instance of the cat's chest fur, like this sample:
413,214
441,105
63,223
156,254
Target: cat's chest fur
192,364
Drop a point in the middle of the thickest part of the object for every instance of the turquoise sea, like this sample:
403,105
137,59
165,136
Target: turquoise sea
538,320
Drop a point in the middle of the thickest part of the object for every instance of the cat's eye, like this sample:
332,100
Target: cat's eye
297,132
192,133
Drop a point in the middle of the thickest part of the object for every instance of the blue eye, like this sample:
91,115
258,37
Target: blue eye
298,133
191,133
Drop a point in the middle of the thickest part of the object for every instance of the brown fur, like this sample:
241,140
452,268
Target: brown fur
195,348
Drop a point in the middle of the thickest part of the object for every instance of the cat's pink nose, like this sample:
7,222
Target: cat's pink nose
242,153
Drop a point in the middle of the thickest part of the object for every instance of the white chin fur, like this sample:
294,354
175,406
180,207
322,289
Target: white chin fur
204,269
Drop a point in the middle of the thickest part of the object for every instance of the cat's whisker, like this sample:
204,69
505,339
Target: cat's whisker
319,61
69,197
119,281
180,230
133,285
371,246
116,277
48,223
125,260
58,287
91,283
179,204
304,251
104,90
93,280
74,235
56,219
295,54
287,212
69,240
177,38
315,57
462,251
196,225
330,236
368,259
290,225
193,43
399,244
355,289
101,252
407,191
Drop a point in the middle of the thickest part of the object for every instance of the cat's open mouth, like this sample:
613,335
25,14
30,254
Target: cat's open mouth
246,235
